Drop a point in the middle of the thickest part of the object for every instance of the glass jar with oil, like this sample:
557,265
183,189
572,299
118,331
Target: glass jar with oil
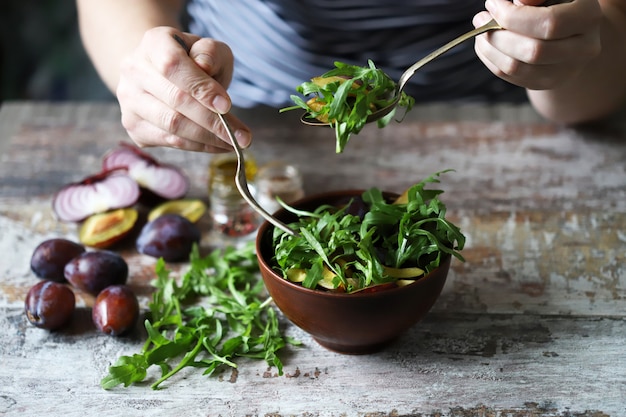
232,218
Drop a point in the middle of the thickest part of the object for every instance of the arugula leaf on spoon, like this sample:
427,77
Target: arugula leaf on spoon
345,96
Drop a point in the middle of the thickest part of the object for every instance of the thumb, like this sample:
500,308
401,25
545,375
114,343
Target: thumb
185,40
215,58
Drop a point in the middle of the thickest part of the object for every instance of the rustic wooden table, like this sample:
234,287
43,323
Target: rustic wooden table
533,324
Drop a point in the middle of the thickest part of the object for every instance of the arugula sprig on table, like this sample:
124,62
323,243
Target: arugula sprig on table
411,232
217,313
346,95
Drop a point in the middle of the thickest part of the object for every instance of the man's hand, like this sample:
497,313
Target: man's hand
169,94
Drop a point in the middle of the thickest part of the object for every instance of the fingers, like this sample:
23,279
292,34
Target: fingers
177,66
215,59
557,21
531,76
539,51
170,89
542,47
150,122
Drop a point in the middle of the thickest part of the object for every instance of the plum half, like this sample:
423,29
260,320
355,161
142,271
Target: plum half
192,209
102,230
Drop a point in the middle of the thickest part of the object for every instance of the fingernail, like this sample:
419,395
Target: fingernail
221,105
204,61
482,18
243,137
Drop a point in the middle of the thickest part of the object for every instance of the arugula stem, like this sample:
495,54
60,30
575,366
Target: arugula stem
265,303
184,361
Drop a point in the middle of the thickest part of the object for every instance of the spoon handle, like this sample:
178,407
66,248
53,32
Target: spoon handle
491,25
242,182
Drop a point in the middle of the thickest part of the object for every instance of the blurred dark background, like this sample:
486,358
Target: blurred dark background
41,55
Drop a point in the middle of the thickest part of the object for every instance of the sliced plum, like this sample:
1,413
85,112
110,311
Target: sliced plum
102,230
191,208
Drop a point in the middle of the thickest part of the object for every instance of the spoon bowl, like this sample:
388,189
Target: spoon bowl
406,75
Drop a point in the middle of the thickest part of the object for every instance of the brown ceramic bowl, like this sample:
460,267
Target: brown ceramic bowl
356,323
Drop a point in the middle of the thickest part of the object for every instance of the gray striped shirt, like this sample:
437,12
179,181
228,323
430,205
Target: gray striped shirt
278,44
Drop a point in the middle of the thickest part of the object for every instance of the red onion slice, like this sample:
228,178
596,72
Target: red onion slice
122,157
164,180
96,194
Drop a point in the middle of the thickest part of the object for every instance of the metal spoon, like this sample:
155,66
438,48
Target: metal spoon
240,176
404,78
242,183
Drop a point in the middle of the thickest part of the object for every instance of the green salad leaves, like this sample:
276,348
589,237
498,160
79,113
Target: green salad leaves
217,313
345,96
218,310
347,252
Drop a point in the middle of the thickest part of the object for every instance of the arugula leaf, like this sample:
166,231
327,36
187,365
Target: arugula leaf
217,313
410,232
345,96
127,370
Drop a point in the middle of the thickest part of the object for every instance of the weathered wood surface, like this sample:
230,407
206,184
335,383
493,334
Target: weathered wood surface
533,324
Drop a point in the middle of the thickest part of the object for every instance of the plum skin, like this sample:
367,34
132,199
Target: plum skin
49,305
169,236
95,270
116,310
50,257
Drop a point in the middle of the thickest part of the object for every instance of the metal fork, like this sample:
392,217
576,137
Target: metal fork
242,183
